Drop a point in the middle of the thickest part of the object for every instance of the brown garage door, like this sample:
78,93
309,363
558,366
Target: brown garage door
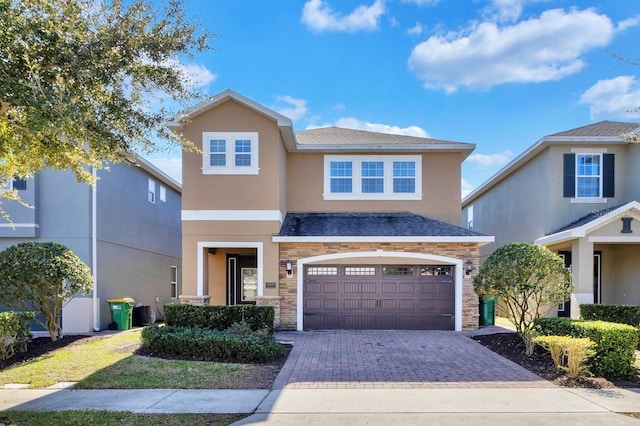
379,297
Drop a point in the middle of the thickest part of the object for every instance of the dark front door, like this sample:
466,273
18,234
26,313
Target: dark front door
242,279
564,309
379,297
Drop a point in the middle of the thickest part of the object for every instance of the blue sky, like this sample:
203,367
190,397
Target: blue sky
497,73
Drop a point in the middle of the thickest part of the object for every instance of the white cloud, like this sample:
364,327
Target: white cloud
354,123
628,23
417,29
319,16
504,10
170,165
297,110
616,97
466,187
490,160
536,50
193,75
421,3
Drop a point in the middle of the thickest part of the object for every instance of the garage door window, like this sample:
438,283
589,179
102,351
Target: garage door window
435,270
392,270
359,270
322,270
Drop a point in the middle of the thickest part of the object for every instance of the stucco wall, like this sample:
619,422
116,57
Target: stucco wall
233,192
440,188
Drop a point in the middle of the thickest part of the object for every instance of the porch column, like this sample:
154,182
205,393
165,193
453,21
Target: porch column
582,272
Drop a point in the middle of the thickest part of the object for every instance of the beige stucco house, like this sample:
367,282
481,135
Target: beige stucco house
335,228
577,193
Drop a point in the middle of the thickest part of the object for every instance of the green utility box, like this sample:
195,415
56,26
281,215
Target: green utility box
488,309
121,311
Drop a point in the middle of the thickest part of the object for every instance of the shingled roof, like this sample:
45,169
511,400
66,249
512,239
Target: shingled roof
395,224
602,128
596,214
341,136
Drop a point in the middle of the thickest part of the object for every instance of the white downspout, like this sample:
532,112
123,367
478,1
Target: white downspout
94,251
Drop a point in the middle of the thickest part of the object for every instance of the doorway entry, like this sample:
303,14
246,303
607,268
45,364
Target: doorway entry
242,279
564,309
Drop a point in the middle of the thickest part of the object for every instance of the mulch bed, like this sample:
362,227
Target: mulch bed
510,346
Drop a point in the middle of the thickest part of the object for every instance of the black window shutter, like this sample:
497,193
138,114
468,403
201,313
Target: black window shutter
569,182
608,171
19,184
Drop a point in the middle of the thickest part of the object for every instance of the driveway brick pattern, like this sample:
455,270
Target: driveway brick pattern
357,359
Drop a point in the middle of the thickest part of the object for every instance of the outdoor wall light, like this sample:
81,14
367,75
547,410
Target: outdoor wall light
289,267
468,266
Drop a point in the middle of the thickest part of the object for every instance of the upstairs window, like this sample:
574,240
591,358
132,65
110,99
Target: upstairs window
372,177
151,194
163,194
230,153
341,177
588,177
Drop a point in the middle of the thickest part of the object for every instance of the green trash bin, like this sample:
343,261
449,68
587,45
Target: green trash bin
121,311
488,309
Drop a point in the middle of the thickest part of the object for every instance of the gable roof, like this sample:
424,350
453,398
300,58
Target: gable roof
284,124
588,223
373,227
325,139
340,139
153,170
603,132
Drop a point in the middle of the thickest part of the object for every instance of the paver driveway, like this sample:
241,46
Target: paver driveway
396,359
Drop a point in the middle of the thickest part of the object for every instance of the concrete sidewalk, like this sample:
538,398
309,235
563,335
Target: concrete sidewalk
490,406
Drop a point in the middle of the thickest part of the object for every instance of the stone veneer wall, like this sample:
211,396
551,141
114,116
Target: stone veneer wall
287,289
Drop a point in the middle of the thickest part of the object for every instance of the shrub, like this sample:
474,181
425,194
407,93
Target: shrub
616,343
555,346
258,318
210,345
529,279
622,314
568,353
42,276
14,332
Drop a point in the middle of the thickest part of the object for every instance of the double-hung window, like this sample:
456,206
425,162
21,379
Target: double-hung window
372,177
230,153
341,177
589,176
151,193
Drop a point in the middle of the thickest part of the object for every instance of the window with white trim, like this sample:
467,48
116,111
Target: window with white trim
372,177
151,193
588,175
470,217
230,153
174,282
163,194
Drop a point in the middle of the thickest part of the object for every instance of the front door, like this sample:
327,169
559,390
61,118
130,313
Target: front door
242,279
564,309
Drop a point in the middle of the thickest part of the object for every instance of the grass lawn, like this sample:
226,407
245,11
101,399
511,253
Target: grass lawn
109,363
78,418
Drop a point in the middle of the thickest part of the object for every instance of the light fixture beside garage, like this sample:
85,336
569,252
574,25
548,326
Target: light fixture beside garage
468,266
289,267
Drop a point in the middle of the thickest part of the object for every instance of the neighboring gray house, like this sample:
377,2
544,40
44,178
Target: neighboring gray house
576,192
128,231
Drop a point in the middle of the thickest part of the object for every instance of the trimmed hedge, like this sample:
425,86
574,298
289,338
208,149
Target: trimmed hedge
210,345
616,343
220,317
14,332
622,314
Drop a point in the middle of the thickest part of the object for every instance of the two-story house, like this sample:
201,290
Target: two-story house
335,228
126,229
577,193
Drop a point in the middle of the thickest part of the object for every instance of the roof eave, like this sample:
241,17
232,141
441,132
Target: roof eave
465,148
481,240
